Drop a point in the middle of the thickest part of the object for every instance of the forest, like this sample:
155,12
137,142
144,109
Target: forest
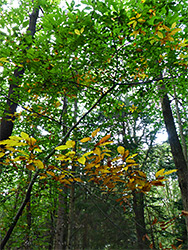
88,92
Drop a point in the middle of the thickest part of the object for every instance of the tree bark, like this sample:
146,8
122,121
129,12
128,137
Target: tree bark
177,152
7,121
138,206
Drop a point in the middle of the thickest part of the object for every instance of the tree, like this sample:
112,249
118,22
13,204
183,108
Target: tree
94,56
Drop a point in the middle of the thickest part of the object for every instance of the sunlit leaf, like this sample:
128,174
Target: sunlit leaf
160,172
141,173
1,154
175,31
70,144
104,139
82,160
94,133
24,136
38,149
62,147
77,32
106,143
86,139
39,164
3,59
77,179
173,25
31,141
82,30
50,173
170,171
160,34
97,151
121,150
88,153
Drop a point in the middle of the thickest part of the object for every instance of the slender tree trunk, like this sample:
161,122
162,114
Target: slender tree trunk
28,209
70,218
138,206
184,146
61,225
177,152
7,122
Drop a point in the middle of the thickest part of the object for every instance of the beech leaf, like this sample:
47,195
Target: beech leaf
94,133
86,139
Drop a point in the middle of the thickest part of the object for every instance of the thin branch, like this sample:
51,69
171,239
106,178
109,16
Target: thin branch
28,193
33,111
79,121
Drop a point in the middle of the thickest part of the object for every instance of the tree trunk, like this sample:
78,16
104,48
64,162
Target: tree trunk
138,206
177,152
7,122
61,225
183,142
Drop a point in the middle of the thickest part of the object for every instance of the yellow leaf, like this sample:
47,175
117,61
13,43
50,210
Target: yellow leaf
132,156
24,136
94,133
160,35
86,139
166,28
141,20
88,153
3,59
77,179
138,15
134,24
71,153
62,147
77,32
1,154
82,160
13,137
65,181
104,171
142,174
169,38
121,150
106,143
31,141
97,151
70,144
129,160
42,177
170,171
50,173
160,172
39,164
174,31
82,30
173,25
38,149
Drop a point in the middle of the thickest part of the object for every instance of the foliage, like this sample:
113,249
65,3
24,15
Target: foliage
95,67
